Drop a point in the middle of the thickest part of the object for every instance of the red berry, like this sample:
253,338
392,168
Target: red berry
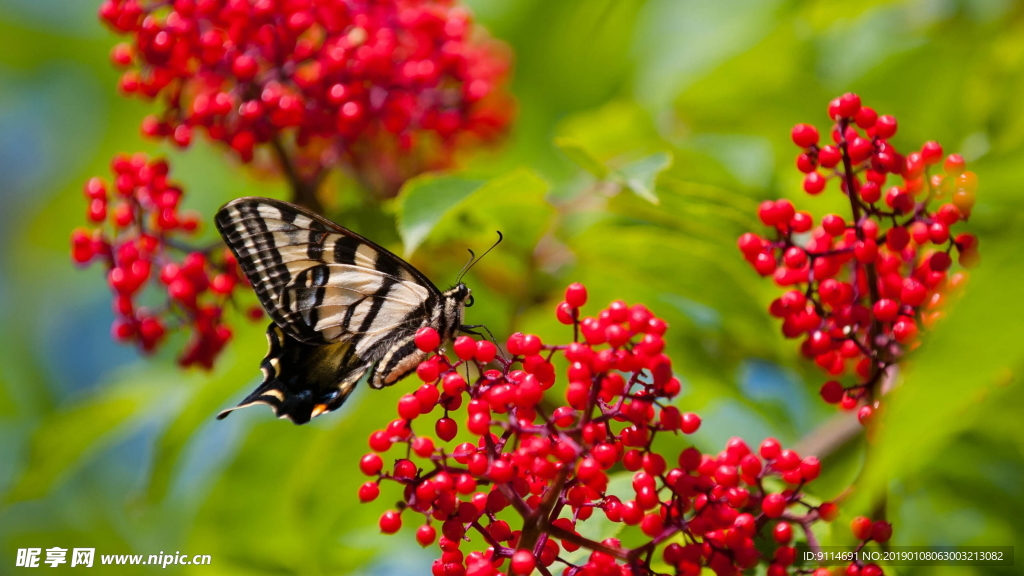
576,295
814,183
954,165
783,533
881,531
885,126
465,347
485,351
774,505
886,310
523,562
390,522
864,414
849,105
371,464
832,392
427,339
690,423
828,511
425,535
530,344
368,492
770,449
804,135
810,467
833,224
861,527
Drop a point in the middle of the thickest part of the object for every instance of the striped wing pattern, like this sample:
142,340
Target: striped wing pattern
339,304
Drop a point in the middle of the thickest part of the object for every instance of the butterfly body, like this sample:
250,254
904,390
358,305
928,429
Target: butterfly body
341,306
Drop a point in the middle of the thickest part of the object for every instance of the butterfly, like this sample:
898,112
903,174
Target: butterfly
341,306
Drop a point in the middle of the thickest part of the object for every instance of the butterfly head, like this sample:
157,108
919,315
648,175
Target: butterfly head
460,295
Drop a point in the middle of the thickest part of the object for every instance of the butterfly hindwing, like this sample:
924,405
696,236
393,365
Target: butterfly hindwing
340,304
301,381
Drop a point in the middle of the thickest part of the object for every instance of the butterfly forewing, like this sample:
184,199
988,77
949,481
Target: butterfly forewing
324,286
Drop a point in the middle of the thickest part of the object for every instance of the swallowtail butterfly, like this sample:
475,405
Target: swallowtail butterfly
341,306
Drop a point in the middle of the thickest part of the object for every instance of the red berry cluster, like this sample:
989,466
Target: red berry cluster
861,286
137,237
389,86
532,471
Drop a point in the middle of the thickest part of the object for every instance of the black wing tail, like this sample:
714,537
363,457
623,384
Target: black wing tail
302,381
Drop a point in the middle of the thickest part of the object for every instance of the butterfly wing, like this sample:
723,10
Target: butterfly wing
339,304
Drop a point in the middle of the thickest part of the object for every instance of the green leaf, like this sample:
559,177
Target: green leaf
235,371
423,202
514,203
640,176
62,439
581,156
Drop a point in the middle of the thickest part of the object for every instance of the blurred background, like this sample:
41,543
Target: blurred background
691,101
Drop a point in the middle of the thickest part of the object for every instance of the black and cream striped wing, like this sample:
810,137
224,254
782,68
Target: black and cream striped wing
320,282
339,303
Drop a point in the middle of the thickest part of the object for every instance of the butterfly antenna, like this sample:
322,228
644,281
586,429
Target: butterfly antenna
472,262
466,267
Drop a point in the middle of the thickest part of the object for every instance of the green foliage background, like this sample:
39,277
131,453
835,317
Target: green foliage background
620,102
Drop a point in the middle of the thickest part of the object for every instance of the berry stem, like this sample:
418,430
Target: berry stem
303,189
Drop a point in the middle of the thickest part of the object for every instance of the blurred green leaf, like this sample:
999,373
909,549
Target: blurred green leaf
581,156
639,176
423,202
63,438
514,203
234,372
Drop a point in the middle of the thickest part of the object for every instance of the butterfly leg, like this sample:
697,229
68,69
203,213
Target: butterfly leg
470,329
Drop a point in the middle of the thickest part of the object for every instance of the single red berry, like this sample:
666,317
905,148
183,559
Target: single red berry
485,351
886,310
750,244
523,563
465,347
425,535
954,165
814,183
861,527
774,505
783,532
576,295
885,126
849,105
828,511
804,135
371,464
390,522
833,224
810,468
368,492
881,531
940,262
530,344
427,339
905,330
446,429
864,414
866,117
565,313
770,449
832,392
690,423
